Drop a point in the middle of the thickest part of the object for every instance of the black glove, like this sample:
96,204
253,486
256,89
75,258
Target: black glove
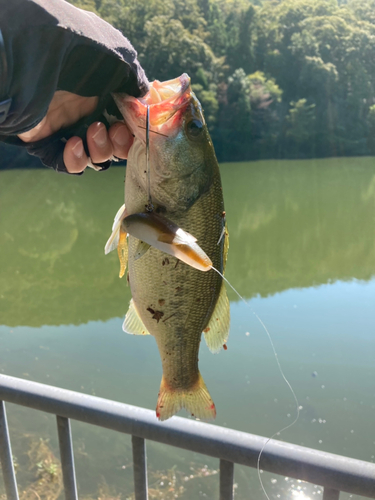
50,45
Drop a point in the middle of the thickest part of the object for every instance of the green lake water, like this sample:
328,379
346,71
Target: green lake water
302,253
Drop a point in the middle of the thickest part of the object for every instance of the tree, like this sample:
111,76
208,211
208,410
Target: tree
300,129
248,116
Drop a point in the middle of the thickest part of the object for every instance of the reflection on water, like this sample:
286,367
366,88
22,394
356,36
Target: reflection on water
299,224
292,224
302,251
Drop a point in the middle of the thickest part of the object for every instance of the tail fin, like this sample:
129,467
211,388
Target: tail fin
195,400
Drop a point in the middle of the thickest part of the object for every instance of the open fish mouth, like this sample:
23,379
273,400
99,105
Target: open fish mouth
166,101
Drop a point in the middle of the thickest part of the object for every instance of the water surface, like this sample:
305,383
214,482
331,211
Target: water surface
302,253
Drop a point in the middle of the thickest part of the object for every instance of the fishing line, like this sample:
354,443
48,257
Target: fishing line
282,375
150,207
153,131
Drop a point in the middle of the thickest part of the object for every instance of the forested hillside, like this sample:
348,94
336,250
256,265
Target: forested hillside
290,78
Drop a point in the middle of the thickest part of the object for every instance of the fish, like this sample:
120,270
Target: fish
173,245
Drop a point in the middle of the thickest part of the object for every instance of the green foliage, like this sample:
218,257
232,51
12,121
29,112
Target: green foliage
210,104
300,129
371,115
248,116
171,49
300,118
86,5
262,89
249,59
371,129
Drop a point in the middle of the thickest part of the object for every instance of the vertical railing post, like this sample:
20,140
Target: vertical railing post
329,494
226,480
139,468
67,458
6,457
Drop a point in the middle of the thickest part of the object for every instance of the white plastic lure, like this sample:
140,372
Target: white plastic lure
161,233
166,236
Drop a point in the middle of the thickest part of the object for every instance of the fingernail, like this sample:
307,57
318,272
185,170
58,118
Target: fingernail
78,149
100,137
120,137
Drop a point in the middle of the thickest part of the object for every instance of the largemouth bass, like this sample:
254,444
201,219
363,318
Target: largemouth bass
173,300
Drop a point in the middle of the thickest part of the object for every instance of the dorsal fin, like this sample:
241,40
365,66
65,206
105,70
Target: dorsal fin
217,331
133,323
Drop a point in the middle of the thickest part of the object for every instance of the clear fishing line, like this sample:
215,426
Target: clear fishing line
282,375
150,206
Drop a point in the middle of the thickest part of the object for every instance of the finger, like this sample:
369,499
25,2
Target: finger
121,139
100,147
75,158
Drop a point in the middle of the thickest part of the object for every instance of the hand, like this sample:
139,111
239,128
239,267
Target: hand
66,109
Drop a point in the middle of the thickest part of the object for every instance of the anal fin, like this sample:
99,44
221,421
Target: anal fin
133,323
217,331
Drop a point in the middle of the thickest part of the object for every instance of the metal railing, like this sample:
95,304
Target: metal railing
333,472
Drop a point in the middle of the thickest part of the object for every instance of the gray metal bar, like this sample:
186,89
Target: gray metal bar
317,467
67,458
329,494
6,457
226,480
139,468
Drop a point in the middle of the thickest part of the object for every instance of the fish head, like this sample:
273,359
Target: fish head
181,154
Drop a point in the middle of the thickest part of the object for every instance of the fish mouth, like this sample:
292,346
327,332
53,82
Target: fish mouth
166,101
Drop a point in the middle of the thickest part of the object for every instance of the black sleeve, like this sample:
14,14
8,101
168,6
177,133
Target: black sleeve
51,45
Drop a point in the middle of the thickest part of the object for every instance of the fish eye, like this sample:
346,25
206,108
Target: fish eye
194,128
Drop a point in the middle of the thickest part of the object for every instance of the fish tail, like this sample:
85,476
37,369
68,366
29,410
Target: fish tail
195,399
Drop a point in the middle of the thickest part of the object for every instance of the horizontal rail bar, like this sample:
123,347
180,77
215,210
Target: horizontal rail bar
317,467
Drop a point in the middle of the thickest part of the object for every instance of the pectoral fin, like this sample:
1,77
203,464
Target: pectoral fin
217,331
122,250
133,323
112,242
166,236
118,240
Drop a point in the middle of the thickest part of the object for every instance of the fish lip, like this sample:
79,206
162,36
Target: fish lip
174,104
134,109
184,80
